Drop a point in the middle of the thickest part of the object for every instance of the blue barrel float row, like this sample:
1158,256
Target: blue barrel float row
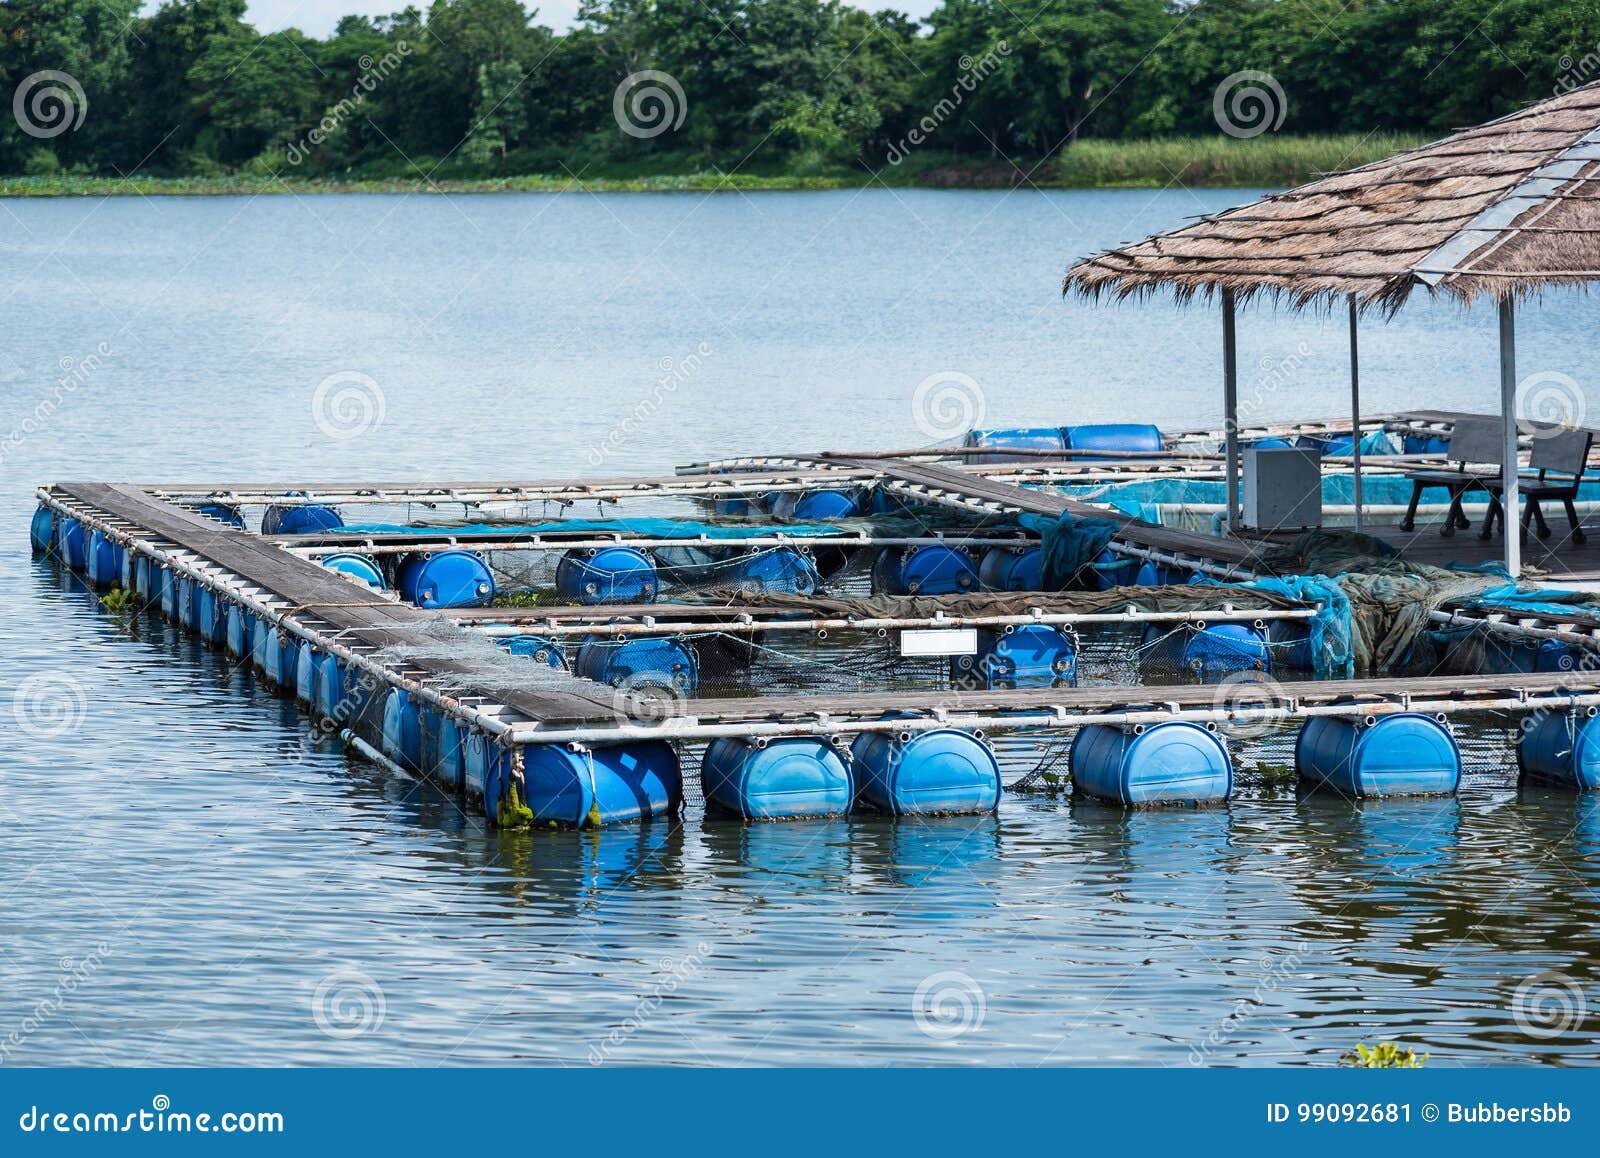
623,574
1403,754
901,773
560,786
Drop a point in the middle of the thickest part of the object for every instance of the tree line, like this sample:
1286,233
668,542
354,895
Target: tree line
480,87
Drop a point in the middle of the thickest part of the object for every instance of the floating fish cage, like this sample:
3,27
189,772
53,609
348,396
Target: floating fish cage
810,637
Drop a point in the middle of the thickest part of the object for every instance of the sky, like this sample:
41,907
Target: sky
317,17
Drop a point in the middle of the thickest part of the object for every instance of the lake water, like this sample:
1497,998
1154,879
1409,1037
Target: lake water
184,882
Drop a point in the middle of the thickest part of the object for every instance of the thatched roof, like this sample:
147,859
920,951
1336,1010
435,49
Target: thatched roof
1507,207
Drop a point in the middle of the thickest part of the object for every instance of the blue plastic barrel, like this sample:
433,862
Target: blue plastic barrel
1112,570
1272,443
537,648
357,566
1399,755
186,615
1207,652
764,780
453,578
1118,436
1426,444
1016,438
144,578
886,502
402,729
72,543
42,531
929,570
733,507
609,575
342,694
210,615
223,513
1152,574
1561,750
1502,655
164,589
102,560
1011,569
1034,655
816,504
776,570
639,663
601,785
443,753
276,655
299,520
239,624
305,674
1291,644
1172,763
943,770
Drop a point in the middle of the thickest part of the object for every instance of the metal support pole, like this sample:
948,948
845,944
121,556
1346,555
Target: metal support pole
1511,522
1230,408
1355,411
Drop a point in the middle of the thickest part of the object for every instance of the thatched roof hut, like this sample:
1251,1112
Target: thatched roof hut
1500,209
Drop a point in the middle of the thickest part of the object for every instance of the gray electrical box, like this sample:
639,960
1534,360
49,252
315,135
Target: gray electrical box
1282,488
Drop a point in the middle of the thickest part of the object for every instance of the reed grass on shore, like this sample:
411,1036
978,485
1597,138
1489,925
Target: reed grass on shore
1195,162
1267,161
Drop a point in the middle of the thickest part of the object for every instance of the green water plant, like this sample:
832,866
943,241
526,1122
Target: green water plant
119,601
1386,1055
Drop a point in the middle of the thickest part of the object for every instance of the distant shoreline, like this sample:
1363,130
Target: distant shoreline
1194,163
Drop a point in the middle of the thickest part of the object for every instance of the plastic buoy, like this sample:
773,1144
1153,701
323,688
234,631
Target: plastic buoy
1034,655
102,560
72,543
776,570
443,757
1561,750
402,729
816,504
357,566
1170,763
452,578
943,770
306,520
795,776
609,575
928,570
601,785
1210,651
1399,755
42,531
1012,569
240,623
537,648
223,513
639,663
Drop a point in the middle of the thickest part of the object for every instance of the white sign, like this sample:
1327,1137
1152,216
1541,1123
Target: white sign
939,641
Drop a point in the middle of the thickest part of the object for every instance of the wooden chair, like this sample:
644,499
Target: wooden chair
1476,442
1555,451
